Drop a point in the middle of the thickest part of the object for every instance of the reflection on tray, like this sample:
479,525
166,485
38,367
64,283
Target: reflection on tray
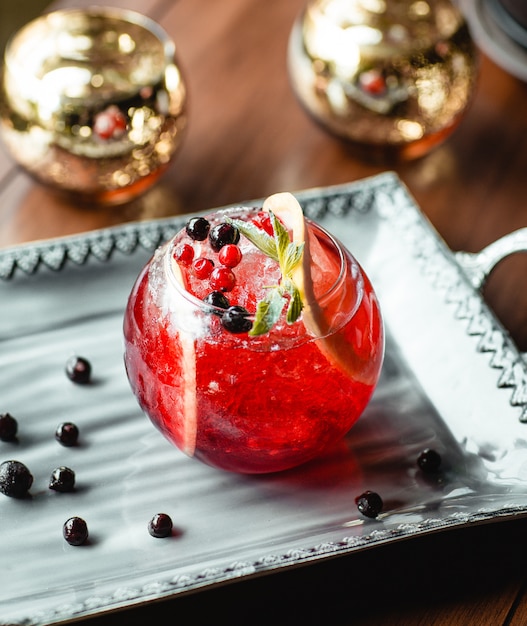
451,381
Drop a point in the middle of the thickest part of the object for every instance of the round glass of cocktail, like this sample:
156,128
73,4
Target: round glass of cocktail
253,339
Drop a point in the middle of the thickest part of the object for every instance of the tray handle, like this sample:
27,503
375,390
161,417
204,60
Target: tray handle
478,266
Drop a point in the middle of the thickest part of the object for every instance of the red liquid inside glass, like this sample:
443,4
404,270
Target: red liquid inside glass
253,404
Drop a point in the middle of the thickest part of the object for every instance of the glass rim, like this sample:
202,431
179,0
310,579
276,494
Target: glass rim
212,309
55,20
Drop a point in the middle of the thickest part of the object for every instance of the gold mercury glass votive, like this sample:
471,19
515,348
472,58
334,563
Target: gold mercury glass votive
92,102
391,77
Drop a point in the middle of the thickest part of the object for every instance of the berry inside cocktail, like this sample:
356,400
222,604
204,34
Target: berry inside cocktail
253,339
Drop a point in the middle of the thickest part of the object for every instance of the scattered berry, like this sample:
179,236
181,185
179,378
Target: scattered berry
429,461
62,479
223,234
222,279
184,254
15,479
369,503
78,370
218,300
67,434
75,531
198,228
8,427
203,267
160,525
230,255
236,320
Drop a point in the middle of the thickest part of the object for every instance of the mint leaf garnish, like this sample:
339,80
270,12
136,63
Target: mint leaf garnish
268,312
281,237
287,254
257,236
295,305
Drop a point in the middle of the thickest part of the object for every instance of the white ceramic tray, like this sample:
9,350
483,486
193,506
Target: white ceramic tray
452,380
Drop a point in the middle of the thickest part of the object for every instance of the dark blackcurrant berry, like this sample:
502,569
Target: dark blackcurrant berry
75,531
78,370
236,320
15,479
223,234
160,525
429,461
198,228
369,503
62,479
218,300
67,434
8,427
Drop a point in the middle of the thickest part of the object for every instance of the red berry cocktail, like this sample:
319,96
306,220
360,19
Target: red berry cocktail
253,339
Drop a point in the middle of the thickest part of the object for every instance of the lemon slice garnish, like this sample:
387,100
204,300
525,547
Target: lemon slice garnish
287,208
333,345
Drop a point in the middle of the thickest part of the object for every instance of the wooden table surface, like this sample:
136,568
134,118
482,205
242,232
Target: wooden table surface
248,138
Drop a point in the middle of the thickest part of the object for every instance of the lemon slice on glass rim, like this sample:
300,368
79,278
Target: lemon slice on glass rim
287,208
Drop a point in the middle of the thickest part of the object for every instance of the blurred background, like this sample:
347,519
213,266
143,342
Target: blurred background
14,14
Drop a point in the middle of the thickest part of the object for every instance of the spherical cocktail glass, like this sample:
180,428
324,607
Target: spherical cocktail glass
253,404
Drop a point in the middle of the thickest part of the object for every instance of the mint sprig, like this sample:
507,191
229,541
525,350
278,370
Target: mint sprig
287,254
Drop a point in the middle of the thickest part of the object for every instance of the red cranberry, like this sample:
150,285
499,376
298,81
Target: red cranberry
184,254
203,267
230,255
222,279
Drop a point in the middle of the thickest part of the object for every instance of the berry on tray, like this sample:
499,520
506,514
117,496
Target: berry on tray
429,461
78,370
75,531
160,525
8,427
369,503
62,479
67,434
15,479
